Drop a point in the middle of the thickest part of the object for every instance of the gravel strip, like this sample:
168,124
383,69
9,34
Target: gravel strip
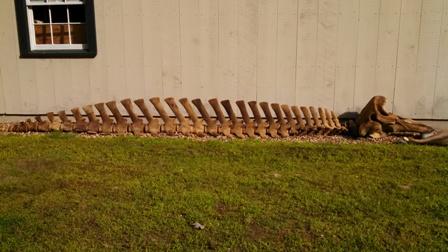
336,139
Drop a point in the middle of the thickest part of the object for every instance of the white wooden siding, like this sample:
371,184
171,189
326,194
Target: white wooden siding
332,53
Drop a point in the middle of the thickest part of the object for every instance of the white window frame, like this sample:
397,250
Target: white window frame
52,46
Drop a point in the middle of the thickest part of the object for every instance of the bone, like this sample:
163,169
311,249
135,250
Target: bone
55,123
211,128
261,124
292,123
63,116
80,124
77,115
127,104
50,116
335,119
93,126
137,127
121,124
324,119
330,121
317,123
17,127
169,125
141,105
249,123
301,124
103,113
153,126
374,113
315,117
185,127
88,109
273,126
219,114
236,128
107,125
284,127
42,126
309,124
67,125
112,105
5,127
224,124
198,126
31,125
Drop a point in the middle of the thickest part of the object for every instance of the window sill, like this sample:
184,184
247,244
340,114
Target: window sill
58,54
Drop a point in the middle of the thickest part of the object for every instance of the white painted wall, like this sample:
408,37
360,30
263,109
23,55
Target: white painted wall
333,53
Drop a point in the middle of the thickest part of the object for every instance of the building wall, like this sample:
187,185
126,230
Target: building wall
333,53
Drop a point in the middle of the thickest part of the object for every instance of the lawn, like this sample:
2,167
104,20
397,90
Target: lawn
63,192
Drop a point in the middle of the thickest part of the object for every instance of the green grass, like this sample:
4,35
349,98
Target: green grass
63,192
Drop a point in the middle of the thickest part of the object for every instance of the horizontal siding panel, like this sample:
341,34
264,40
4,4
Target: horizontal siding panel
332,53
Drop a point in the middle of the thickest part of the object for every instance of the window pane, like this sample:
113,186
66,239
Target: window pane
59,14
77,13
60,34
78,33
43,34
41,14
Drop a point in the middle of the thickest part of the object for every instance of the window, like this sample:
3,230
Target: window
56,28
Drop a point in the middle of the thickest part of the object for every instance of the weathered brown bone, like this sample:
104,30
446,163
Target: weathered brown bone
67,125
31,125
261,124
184,127
335,119
273,126
335,129
329,119
169,124
107,125
327,129
311,128
93,126
248,123
19,127
317,123
302,128
55,123
292,123
374,121
198,125
439,137
80,123
6,127
137,127
236,127
224,123
121,124
212,127
284,123
42,125
153,126
284,127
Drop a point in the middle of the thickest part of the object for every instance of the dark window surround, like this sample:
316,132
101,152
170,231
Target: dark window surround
24,39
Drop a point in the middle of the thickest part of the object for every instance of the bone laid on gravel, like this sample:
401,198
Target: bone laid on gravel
287,122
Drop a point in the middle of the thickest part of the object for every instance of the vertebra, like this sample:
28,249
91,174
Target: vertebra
287,121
